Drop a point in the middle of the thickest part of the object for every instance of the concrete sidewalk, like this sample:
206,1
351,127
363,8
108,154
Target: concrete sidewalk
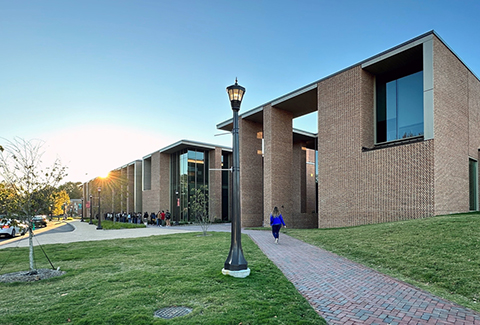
344,292
76,231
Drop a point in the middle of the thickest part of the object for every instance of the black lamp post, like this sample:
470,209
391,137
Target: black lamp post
81,220
91,209
179,208
99,211
236,265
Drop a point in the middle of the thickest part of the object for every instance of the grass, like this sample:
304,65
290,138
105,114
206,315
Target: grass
107,224
125,281
439,254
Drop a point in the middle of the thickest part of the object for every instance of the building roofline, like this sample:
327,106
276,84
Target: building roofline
305,133
191,143
313,84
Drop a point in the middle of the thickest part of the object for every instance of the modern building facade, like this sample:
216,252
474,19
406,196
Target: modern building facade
120,192
170,174
164,180
398,138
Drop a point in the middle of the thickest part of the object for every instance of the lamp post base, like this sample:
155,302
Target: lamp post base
237,274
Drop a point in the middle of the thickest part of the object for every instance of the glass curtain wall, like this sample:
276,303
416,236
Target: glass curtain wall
189,171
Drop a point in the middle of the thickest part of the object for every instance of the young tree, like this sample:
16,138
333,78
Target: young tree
199,199
61,199
32,183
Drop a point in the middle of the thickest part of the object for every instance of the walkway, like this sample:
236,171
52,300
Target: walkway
344,292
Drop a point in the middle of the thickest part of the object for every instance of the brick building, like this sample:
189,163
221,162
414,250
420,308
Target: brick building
164,179
170,174
398,138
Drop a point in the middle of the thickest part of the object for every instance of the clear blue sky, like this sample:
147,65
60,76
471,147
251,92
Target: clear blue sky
107,82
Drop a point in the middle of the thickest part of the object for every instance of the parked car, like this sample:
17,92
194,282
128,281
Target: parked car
9,227
40,221
23,227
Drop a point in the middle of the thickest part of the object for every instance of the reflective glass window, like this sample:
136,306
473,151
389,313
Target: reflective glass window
473,184
400,108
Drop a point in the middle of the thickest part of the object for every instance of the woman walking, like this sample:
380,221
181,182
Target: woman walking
276,221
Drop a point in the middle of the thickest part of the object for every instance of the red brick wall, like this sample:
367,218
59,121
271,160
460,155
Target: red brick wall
164,183
311,191
215,184
456,129
278,175
358,187
151,198
299,173
130,188
251,173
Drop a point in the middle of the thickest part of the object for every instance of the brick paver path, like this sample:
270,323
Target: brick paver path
344,292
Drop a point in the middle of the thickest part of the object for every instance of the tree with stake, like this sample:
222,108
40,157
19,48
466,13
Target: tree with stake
199,207
33,184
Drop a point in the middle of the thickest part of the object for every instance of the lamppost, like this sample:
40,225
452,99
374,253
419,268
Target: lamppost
236,265
91,209
178,205
99,211
81,220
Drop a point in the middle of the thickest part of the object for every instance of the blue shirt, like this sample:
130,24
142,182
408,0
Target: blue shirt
276,220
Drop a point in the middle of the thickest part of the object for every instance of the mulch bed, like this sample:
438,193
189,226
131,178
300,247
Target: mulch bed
30,276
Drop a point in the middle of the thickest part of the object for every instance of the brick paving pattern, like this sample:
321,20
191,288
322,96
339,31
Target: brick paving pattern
344,292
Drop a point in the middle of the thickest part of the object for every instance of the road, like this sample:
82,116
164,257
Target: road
52,227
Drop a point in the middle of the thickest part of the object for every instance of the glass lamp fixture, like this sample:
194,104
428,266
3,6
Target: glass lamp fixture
235,93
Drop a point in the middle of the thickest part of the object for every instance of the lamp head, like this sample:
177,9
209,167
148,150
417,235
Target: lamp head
235,93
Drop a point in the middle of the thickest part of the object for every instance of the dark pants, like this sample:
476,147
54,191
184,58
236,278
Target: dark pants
276,230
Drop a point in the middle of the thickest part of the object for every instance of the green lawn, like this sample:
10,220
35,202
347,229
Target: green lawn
107,224
439,254
125,281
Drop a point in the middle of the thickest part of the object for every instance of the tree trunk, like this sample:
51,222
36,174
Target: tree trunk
30,241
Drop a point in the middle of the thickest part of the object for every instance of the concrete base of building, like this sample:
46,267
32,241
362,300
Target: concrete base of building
237,274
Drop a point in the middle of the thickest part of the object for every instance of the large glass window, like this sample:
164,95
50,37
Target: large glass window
400,107
189,171
147,174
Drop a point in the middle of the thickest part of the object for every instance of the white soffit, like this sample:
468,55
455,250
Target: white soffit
251,112
395,51
294,94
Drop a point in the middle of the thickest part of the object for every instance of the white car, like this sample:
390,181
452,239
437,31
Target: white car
11,228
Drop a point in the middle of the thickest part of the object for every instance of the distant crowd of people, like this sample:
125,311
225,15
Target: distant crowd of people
160,219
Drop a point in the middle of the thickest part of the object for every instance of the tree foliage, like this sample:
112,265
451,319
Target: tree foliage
31,183
61,199
23,172
8,204
73,189
199,200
